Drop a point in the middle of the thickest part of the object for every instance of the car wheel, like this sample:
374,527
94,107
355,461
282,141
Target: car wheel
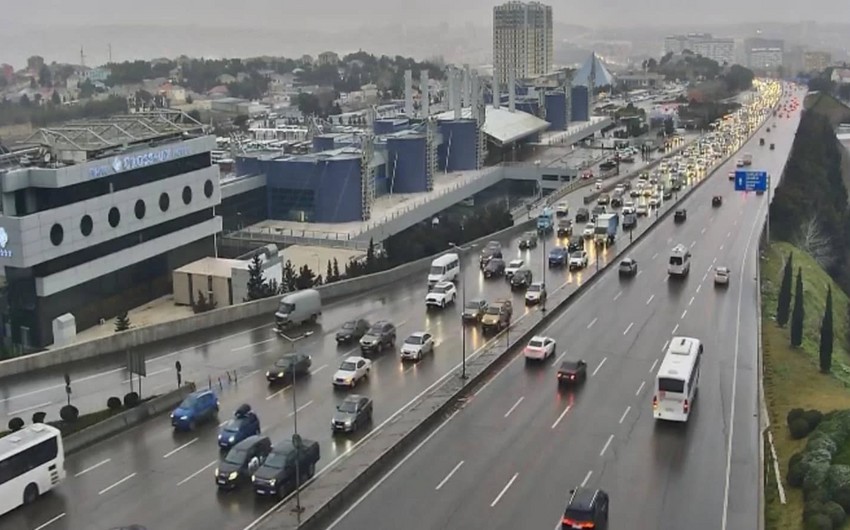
443,304
30,494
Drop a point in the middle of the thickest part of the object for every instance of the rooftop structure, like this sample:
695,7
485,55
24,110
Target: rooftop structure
503,126
594,72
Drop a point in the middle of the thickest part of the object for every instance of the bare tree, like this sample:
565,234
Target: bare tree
813,240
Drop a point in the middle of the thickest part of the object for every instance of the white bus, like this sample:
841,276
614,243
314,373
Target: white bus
679,263
444,269
32,462
677,380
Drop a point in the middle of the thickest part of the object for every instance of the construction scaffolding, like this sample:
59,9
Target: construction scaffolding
430,153
367,177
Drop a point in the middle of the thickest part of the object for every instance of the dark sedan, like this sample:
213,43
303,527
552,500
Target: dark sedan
495,268
473,311
352,330
352,414
572,372
291,364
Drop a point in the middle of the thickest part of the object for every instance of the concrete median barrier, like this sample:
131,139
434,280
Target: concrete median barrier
349,476
124,420
123,341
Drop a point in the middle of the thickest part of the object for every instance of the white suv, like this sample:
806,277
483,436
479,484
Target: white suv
578,259
442,294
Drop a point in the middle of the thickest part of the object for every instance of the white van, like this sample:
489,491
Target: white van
297,308
680,261
444,269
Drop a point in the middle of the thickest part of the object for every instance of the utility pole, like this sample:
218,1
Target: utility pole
463,302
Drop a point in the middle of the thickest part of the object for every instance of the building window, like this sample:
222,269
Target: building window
187,195
57,233
114,217
164,202
140,209
208,189
86,225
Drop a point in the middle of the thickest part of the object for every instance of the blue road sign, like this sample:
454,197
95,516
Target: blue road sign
750,180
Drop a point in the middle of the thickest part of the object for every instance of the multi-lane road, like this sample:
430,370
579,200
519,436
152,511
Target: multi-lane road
510,456
153,477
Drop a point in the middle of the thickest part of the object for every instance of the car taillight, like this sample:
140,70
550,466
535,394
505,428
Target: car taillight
685,406
572,376
654,402
577,524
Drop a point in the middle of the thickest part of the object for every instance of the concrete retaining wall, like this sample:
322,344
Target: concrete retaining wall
119,422
125,340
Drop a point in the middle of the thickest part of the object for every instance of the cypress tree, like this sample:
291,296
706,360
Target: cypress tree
797,316
122,322
256,280
826,336
329,276
783,304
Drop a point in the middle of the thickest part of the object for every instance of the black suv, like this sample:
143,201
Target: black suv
289,366
521,279
381,335
575,245
587,508
494,268
680,216
716,201
582,215
352,330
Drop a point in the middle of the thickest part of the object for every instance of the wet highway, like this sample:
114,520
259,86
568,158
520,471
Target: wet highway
160,479
510,456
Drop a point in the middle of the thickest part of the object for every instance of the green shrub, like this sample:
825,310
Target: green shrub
815,477
835,512
794,414
837,477
811,508
842,497
820,443
813,418
795,470
69,413
799,428
819,521
816,495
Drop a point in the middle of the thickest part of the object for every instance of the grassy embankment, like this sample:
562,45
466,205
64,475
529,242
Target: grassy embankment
837,112
791,376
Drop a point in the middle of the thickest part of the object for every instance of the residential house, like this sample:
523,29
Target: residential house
225,79
841,76
8,72
219,91
328,58
176,94
97,74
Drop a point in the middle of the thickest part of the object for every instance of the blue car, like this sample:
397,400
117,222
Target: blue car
244,424
558,257
198,407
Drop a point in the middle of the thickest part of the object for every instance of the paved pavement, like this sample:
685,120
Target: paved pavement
510,457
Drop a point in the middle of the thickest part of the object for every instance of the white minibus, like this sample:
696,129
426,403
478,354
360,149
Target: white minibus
444,269
32,462
677,380
680,261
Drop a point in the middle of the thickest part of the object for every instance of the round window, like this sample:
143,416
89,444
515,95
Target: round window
86,225
187,195
114,217
140,209
208,189
57,234
164,202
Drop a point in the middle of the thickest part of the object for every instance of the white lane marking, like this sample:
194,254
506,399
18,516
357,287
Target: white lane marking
626,413
735,376
704,276
699,287
247,346
299,409
628,328
452,472
33,407
675,329
504,490
508,413
196,473
649,300
685,312
655,255
151,374
600,366
560,357
92,468
702,231
279,392
50,522
586,478
374,486
654,364
664,348
639,273
605,447
564,413
640,388
693,243
592,322
692,300
713,262
729,234
319,369
709,269
618,295
122,481
721,247
665,278
184,446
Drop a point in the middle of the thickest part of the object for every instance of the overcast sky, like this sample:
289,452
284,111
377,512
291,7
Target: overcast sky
331,14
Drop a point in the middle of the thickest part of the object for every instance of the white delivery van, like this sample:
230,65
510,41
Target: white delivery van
297,308
680,261
444,269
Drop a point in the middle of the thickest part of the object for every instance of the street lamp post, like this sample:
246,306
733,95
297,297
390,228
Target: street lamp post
543,265
296,438
463,303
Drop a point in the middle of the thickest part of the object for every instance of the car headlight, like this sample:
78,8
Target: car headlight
281,374
216,472
184,417
348,423
272,482
233,475
268,374
253,478
231,439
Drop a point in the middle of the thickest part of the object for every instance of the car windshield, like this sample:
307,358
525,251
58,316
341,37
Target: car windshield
439,290
535,343
533,287
473,305
236,456
348,406
189,402
376,330
436,269
286,362
286,308
569,366
348,366
516,263
349,325
667,384
233,425
414,339
625,264
493,310
277,459
675,260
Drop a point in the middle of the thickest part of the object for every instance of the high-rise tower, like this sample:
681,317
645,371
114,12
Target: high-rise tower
522,39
